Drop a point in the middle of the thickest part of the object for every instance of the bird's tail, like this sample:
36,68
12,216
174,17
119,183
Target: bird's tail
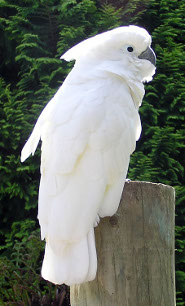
74,263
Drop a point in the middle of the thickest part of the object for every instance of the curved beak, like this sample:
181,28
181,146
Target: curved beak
149,55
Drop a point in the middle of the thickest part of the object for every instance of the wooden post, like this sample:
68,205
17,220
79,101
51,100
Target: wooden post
135,251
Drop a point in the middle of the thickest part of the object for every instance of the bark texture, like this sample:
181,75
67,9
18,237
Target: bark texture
135,251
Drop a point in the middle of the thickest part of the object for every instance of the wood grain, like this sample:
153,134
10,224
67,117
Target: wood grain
135,251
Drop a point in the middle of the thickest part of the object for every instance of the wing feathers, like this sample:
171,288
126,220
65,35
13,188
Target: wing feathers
31,144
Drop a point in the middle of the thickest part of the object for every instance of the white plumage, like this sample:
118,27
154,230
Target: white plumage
88,131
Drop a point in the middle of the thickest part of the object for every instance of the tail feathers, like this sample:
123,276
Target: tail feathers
31,144
92,256
74,264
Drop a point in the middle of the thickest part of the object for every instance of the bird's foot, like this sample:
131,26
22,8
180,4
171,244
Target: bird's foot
127,180
96,221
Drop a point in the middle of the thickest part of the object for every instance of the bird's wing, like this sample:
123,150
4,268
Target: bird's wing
86,146
46,122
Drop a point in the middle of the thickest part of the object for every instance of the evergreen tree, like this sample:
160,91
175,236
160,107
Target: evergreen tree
33,36
160,154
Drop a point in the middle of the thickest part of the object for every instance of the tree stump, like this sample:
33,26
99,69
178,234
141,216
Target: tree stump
135,249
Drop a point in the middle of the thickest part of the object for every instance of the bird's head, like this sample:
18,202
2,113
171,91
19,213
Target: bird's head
125,51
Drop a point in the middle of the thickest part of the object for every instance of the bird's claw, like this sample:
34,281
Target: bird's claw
96,221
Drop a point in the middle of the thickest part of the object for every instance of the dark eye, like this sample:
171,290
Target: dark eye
130,49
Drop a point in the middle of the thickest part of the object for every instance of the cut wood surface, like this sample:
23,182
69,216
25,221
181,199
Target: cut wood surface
135,249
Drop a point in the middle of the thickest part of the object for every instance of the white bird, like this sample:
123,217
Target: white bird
88,130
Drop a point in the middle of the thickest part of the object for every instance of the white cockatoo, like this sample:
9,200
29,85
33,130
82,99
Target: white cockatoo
88,131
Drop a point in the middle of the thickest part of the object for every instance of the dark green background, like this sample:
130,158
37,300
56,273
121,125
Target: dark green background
33,36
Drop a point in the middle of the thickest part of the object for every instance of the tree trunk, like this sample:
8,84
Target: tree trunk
135,250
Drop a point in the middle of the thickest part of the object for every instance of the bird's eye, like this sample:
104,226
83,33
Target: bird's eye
130,49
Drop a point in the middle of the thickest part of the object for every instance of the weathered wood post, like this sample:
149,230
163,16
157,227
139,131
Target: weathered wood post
135,252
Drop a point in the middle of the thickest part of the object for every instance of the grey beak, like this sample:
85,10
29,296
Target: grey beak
149,55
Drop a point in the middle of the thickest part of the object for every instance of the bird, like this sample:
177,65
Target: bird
88,131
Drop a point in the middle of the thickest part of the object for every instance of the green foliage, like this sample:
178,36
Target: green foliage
20,280
131,11
34,34
160,154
